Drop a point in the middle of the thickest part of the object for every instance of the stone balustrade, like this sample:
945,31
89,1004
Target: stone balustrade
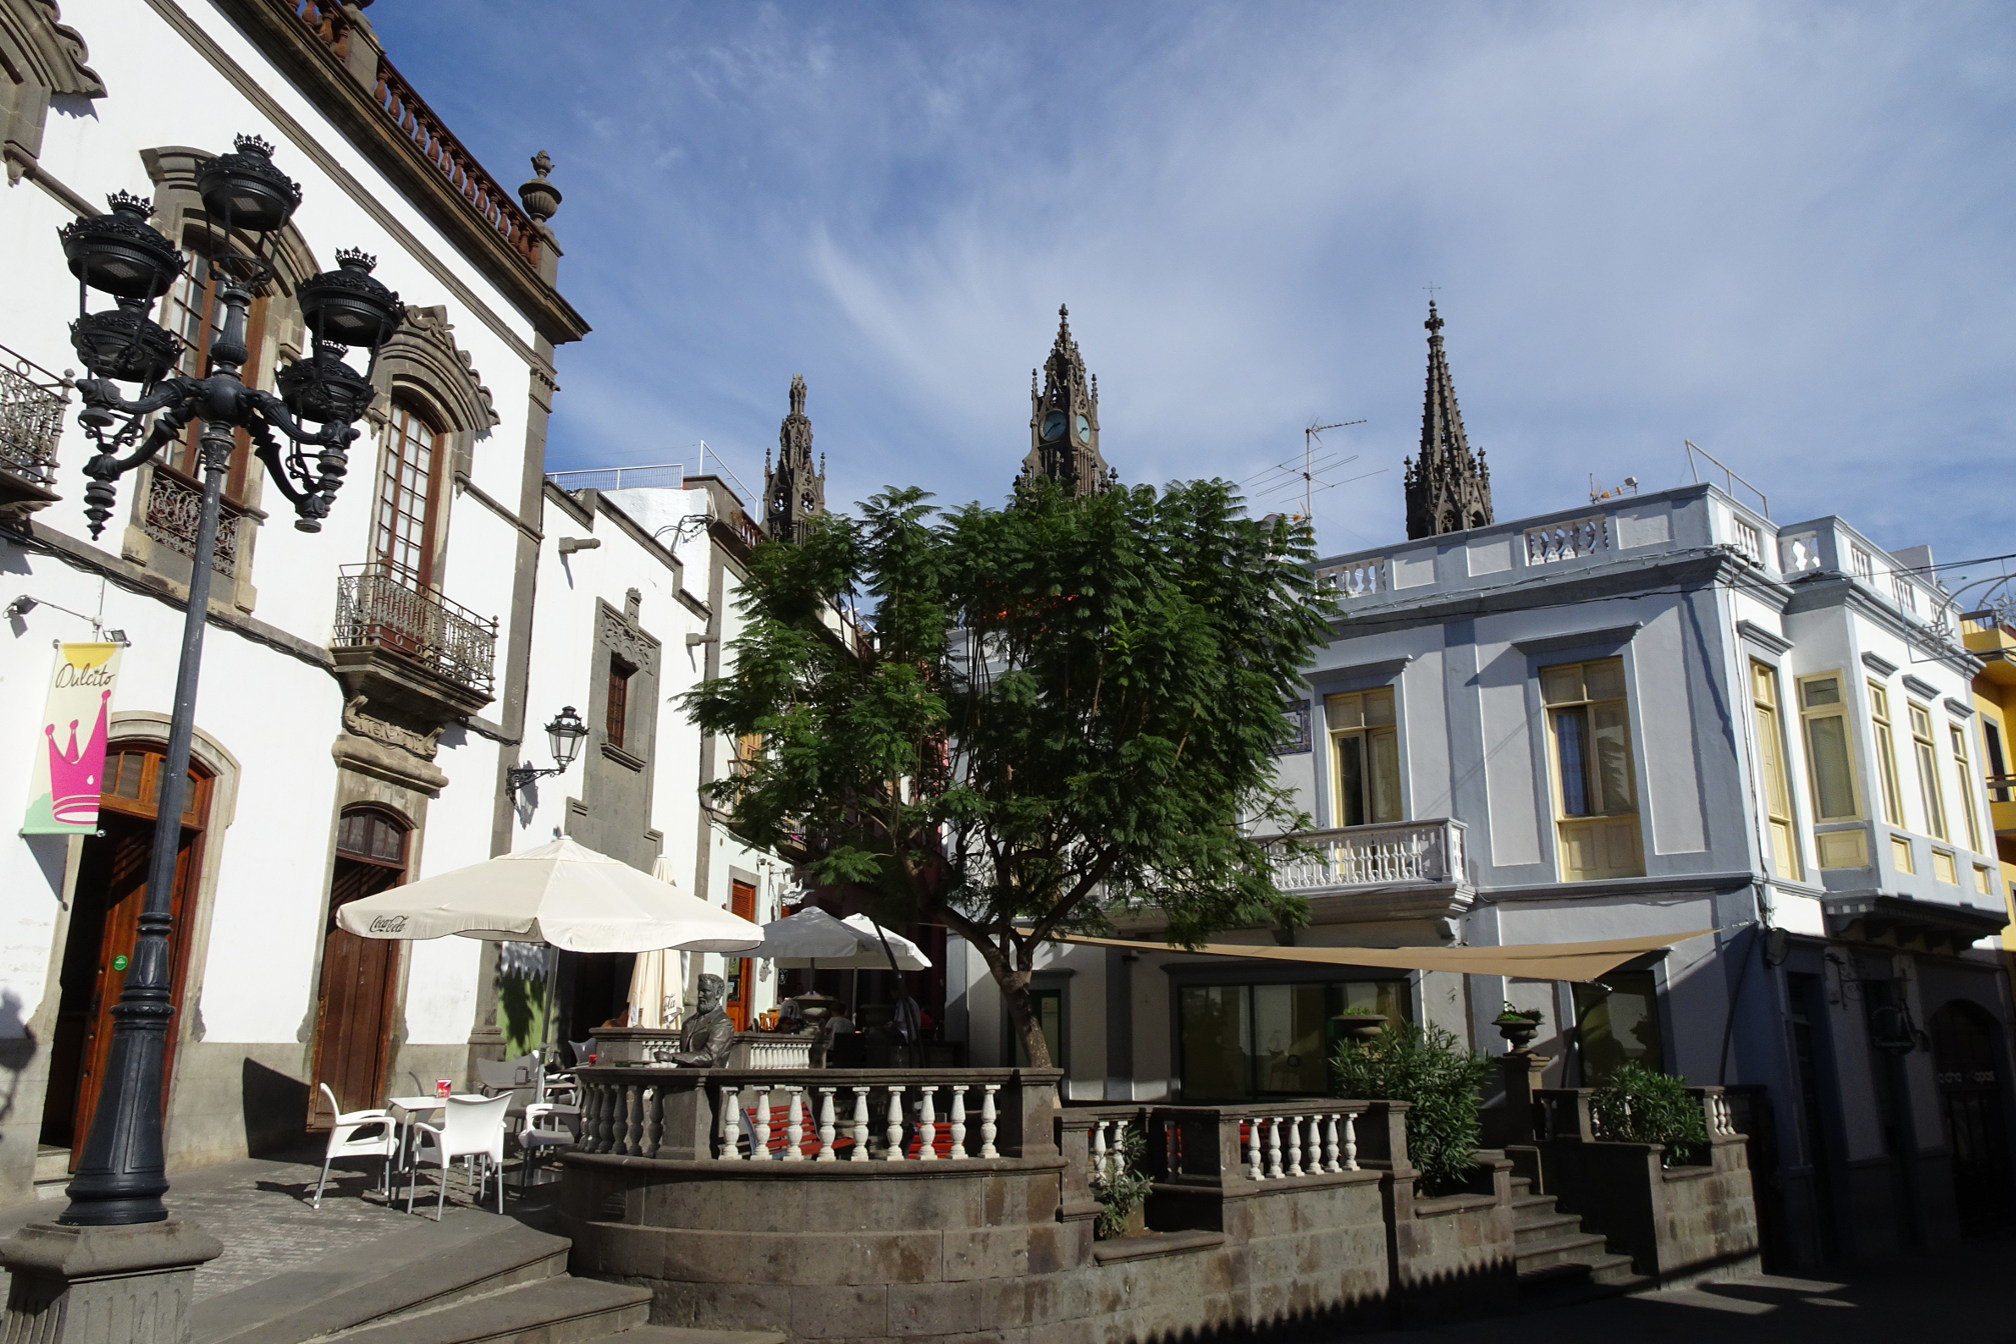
1427,852
744,1115
1566,1114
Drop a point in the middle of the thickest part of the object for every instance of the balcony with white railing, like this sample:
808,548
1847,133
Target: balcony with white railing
1395,869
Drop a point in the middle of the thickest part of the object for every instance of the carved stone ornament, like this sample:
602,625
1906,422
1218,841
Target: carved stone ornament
355,720
637,648
41,57
423,353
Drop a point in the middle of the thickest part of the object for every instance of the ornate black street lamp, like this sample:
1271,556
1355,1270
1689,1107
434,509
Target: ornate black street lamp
120,1177
564,735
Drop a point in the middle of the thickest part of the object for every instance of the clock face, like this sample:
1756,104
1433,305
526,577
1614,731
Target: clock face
1053,426
1084,430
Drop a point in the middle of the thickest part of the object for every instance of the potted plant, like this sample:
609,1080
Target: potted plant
1359,1026
1519,1025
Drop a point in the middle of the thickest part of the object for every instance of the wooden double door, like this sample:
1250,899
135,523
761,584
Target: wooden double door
359,993
110,892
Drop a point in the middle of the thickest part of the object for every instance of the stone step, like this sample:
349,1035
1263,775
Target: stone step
550,1311
425,1268
1576,1282
1566,1248
673,1334
1533,1231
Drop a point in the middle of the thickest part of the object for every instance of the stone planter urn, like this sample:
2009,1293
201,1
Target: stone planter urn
1519,1028
1360,1027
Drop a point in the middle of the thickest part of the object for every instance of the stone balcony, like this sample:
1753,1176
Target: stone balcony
405,646
1390,871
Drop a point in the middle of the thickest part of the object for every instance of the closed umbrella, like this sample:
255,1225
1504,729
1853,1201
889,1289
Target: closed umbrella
561,893
657,981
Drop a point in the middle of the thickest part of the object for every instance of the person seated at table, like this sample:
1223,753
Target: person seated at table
840,1024
705,1040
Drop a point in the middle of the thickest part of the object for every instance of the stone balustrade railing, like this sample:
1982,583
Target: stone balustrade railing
1567,1114
817,1115
1428,852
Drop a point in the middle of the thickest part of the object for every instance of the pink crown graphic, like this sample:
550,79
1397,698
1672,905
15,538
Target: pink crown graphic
73,773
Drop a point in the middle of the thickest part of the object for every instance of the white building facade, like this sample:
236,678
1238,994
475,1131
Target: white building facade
364,688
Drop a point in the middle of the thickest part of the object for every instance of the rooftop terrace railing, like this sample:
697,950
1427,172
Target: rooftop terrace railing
483,194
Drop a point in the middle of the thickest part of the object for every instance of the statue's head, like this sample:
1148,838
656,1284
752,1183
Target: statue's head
712,987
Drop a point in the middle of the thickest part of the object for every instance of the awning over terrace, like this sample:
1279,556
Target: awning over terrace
1525,961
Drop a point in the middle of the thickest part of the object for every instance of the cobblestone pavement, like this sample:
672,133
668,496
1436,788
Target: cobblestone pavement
260,1210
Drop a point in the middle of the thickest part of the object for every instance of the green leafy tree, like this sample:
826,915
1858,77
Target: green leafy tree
1020,721
1442,1082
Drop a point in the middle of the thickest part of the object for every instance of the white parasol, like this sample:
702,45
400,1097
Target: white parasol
562,894
812,938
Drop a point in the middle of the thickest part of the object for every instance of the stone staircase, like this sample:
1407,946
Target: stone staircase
1560,1261
484,1281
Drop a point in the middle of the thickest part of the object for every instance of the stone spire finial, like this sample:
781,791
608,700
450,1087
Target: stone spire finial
540,198
1448,487
794,492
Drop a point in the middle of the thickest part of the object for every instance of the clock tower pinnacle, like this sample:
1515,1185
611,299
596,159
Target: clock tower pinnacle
793,492
1064,419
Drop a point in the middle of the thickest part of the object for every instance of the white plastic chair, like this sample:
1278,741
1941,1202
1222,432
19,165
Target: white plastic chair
344,1141
471,1129
540,1132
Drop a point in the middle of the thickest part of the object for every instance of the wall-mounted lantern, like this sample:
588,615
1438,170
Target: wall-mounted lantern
565,733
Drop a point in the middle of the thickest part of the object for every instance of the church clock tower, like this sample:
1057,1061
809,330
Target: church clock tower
793,493
1448,486
1064,419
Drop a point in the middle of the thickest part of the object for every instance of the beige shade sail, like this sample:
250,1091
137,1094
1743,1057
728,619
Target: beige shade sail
1522,961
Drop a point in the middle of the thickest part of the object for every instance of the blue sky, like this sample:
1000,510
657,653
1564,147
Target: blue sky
1780,230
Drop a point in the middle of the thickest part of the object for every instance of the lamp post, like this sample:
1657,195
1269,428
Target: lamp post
120,1177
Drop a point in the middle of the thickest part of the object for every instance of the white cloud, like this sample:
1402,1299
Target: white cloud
1776,230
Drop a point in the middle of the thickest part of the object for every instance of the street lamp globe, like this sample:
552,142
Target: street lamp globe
243,190
566,733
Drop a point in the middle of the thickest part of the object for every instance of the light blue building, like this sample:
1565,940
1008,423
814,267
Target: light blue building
1650,714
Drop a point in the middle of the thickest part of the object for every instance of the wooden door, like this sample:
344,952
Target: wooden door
360,976
1967,1067
741,986
104,926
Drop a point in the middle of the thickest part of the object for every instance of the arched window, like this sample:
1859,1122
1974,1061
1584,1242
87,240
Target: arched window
194,311
404,521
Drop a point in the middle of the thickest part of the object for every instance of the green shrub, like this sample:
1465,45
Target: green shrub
1428,1068
1635,1104
1122,1192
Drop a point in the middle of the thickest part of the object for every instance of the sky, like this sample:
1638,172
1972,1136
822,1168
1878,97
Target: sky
1782,231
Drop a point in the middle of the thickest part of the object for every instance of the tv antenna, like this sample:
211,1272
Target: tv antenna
1282,477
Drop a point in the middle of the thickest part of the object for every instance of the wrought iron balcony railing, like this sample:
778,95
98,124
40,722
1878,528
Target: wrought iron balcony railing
31,417
381,607
1393,853
175,506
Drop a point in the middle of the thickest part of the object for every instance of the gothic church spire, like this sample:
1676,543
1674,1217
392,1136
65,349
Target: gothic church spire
1448,486
1064,418
793,492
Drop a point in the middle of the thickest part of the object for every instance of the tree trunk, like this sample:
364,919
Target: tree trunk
1021,1008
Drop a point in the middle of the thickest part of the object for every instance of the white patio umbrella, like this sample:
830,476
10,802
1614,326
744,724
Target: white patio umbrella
658,980
561,893
812,938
